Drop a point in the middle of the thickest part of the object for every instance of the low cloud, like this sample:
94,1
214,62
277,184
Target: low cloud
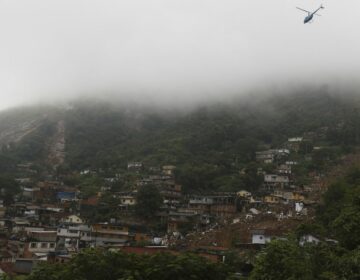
171,52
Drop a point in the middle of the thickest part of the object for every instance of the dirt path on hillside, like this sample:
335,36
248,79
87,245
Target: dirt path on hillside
56,146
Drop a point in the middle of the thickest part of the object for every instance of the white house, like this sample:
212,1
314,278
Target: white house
73,219
308,238
259,237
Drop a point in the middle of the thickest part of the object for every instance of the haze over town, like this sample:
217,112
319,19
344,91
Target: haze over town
171,51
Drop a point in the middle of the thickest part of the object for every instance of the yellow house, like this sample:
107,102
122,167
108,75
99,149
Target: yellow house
272,199
298,196
243,193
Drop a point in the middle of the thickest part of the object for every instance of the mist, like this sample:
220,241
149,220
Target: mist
172,52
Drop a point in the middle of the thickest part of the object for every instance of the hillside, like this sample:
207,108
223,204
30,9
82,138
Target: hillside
209,144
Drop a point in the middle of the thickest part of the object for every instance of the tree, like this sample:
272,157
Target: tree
148,201
340,211
286,259
282,260
347,227
97,265
8,189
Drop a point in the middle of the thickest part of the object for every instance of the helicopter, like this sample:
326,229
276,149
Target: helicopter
310,15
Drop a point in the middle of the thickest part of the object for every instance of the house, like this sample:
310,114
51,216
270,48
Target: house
134,166
23,181
17,209
260,237
201,204
263,236
2,209
110,233
41,242
223,206
284,169
168,170
265,156
272,181
298,196
66,196
294,143
273,199
19,224
244,193
32,211
282,152
295,139
289,195
75,237
269,156
308,238
72,219
30,192
127,200
170,191
216,205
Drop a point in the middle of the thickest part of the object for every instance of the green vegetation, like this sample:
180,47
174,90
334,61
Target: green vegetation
210,145
286,259
148,201
89,185
338,218
98,265
340,213
8,189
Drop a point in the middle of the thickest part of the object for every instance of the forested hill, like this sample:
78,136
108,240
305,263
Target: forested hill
213,140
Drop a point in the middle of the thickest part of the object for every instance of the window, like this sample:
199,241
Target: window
44,245
52,245
32,245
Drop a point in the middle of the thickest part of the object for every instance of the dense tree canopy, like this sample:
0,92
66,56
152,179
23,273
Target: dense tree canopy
8,189
148,201
98,265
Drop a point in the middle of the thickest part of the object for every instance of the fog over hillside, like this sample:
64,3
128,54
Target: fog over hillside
172,52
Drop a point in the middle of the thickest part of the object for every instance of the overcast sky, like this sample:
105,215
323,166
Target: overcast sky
171,50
